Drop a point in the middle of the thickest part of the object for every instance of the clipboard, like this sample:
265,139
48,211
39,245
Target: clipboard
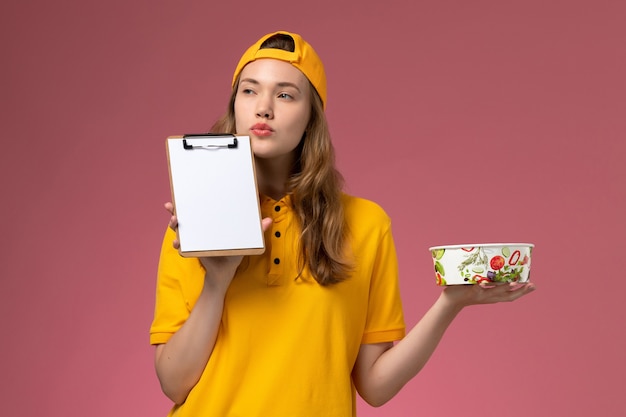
215,195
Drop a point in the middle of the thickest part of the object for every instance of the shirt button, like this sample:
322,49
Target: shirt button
277,208
277,234
276,261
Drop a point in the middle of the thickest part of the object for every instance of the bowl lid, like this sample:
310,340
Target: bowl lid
482,245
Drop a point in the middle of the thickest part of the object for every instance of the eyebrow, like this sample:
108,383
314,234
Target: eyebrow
280,84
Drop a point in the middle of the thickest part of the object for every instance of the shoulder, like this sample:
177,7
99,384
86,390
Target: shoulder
361,206
366,213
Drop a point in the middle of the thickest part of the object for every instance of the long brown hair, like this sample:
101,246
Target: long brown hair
315,186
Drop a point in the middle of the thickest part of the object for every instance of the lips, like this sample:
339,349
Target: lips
261,129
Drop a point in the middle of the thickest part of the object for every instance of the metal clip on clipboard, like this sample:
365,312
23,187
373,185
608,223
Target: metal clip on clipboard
209,135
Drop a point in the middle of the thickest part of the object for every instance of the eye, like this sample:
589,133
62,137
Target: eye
247,91
285,96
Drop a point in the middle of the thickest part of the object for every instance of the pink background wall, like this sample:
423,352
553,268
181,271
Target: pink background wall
467,120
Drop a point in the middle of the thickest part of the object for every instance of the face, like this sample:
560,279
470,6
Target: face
273,107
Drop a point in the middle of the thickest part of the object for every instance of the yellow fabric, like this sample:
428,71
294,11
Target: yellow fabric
286,345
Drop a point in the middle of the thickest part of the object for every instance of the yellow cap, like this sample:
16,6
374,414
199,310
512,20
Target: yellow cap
303,57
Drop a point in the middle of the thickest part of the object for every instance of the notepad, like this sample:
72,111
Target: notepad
215,195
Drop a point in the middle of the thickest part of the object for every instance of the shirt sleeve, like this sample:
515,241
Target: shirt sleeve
385,318
179,282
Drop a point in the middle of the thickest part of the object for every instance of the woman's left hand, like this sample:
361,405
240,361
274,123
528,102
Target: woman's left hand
486,293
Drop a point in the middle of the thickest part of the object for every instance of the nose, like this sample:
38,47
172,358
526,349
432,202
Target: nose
264,108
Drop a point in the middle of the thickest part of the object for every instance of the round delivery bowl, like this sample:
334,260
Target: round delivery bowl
481,262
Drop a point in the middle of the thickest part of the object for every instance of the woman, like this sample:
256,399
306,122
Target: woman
317,318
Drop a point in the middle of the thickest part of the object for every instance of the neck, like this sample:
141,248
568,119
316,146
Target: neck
272,176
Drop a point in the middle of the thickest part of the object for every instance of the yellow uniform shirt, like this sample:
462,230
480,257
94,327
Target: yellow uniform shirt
286,345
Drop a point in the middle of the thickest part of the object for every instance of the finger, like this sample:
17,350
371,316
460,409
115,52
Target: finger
518,291
514,295
266,223
499,287
490,284
169,207
173,222
527,288
503,286
176,244
517,286
495,292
